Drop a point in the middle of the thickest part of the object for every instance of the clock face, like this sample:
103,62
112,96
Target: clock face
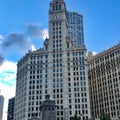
57,16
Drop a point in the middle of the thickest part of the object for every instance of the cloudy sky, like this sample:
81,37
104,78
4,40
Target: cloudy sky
24,26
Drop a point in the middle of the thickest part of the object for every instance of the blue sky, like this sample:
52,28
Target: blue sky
101,21
24,24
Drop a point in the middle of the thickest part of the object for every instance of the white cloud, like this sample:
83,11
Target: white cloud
8,92
7,83
33,48
8,73
94,53
90,53
16,42
1,37
36,31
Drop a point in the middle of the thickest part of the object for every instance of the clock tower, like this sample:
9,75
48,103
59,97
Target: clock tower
58,20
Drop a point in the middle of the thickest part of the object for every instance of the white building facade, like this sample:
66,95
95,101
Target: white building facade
104,80
59,69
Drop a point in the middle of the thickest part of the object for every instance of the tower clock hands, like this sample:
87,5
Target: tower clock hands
56,16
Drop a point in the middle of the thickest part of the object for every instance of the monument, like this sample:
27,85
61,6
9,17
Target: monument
48,109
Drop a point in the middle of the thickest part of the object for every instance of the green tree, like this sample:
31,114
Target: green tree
104,117
75,117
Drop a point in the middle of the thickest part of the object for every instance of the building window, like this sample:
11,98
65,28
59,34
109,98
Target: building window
53,8
59,7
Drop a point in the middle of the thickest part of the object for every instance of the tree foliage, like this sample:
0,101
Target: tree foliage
104,117
75,117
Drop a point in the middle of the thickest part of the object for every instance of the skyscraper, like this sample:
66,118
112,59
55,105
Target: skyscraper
10,115
104,79
75,28
59,69
1,106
